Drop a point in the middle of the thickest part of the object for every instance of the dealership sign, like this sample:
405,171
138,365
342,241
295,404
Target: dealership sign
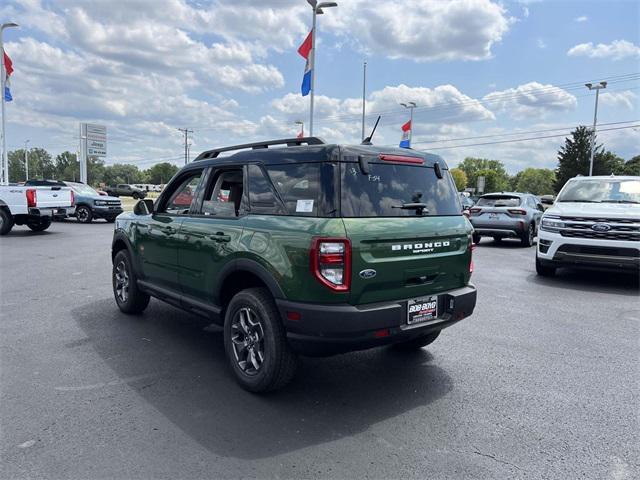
96,136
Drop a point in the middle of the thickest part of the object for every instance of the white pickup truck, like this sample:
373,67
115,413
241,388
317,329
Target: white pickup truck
34,207
594,223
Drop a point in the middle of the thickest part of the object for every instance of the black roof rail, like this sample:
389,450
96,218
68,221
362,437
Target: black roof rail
289,142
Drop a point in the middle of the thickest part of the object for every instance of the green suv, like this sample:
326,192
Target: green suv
304,249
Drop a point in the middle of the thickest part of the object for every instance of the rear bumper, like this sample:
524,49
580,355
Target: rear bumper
51,212
330,329
512,228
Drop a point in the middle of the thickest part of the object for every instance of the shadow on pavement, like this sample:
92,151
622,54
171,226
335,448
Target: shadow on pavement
591,281
187,379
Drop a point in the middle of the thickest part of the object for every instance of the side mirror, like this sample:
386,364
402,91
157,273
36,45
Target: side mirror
143,207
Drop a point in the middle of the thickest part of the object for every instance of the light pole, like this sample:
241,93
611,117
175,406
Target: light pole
4,179
317,10
26,161
364,92
597,88
301,123
410,106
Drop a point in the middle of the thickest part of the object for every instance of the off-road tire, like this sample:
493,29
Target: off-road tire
417,343
6,221
136,300
544,270
527,237
40,226
84,214
279,361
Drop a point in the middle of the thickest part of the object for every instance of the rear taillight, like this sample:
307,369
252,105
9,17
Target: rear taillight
471,247
475,210
517,211
73,198
331,262
32,200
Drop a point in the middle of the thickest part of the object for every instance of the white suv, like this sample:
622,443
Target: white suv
594,223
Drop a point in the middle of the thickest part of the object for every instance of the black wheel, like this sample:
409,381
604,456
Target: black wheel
135,196
476,238
40,226
418,342
6,222
544,270
84,214
527,237
255,342
497,239
129,297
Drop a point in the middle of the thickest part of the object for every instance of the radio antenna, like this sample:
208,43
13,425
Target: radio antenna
367,141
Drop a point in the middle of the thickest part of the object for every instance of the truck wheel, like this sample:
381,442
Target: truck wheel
84,214
255,342
527,237
418,342
544,270
476,238
40,226
135,196
6,222
129,297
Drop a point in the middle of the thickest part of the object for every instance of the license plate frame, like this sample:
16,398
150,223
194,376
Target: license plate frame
423,310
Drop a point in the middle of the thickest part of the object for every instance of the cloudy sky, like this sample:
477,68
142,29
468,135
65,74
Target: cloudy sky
480,71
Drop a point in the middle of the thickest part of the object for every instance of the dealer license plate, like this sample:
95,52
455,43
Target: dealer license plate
422,310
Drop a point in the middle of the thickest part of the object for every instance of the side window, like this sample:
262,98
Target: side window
180,200
224,195
299,187
262,198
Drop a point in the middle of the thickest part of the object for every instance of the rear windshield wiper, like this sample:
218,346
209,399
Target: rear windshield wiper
421,208
579,201
618,201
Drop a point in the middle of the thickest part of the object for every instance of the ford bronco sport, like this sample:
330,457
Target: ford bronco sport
309,248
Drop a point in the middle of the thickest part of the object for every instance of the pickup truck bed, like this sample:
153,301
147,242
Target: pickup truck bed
33,206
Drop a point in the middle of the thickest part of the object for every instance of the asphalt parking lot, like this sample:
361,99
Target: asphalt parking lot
541,382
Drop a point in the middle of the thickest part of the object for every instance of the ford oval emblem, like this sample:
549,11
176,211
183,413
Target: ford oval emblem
600,227
368,273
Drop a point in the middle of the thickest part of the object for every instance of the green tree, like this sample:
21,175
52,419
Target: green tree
16,165
632,167
575,154
475,167
539,181
122,173
40,164
67,167
161,173
460,178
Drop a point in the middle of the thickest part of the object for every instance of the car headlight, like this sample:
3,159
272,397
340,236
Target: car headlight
552,223
100,203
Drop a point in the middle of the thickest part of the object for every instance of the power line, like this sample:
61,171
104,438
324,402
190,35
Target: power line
186,132
525,139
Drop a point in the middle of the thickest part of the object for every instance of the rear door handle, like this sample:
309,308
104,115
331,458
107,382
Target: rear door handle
220,237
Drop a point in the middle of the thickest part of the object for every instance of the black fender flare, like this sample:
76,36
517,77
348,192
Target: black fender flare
120,236
256,269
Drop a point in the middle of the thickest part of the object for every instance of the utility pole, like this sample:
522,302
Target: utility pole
4,179
317,10
186,132
364,93
597,88
26,161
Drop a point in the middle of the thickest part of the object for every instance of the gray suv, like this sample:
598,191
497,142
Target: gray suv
506,215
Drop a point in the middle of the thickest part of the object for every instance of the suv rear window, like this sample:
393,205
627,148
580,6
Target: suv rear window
389,186
498,201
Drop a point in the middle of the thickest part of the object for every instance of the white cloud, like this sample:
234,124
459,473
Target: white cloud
451,30
625,99
581,18
616,50
541,43
531,99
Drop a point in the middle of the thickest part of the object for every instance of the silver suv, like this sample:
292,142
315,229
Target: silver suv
506,215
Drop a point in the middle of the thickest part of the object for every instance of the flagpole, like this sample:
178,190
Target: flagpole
5,161
364,91
313,70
